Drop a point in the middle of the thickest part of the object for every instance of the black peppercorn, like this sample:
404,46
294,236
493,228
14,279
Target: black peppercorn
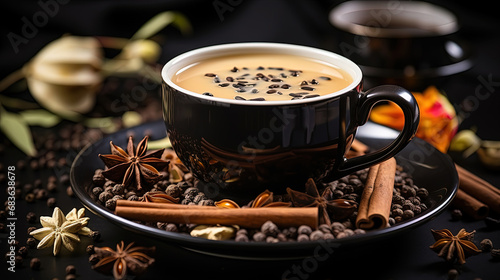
69,191
118,189
70,269
397,212
51,202
31,217
41,194
105,196
486,245
35,263
23,251
456,214
29,198
270,229
97,191
304,229
173,190
316,235
452,274
408,214
31,242
98,179
193,191
95,235
303,238
171,227
90,249
241,238
259,236
51,186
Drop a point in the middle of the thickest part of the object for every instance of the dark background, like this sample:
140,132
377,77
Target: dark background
298,22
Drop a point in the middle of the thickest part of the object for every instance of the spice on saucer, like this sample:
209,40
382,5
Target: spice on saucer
214,232
134,166
133,260
451,247
337,208
265,199
375,206
192,207
158,197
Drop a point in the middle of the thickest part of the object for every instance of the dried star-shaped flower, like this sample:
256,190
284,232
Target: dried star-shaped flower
134,165
79,216
265,199
338,208
176,169
158,197
452,247
124,260
59,230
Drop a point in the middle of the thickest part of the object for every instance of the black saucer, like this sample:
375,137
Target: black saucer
429,167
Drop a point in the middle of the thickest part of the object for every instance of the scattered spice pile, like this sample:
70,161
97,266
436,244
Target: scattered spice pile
337,200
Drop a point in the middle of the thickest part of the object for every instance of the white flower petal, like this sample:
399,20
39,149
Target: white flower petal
57,244
47,241
85,231
47,221
68,240
58,217
71,216
71,226
81,213
40,233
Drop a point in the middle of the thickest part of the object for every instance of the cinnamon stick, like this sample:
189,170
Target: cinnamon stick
362,218
375,205
471,206
479,189
245,217
462,172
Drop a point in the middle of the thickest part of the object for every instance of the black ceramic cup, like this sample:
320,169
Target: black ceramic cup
239,148
410,43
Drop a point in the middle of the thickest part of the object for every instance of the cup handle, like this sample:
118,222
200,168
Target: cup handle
405,100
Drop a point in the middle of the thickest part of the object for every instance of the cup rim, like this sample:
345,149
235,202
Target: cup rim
188,58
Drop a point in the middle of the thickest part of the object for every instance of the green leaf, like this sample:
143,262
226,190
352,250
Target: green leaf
18,131
159,144
40,117
160,21
106,124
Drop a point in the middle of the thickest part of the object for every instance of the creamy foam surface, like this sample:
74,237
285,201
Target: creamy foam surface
262,77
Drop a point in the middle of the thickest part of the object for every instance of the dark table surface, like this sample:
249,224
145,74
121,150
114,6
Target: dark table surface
405,256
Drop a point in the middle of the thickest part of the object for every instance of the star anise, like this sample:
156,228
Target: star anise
337,209
158,197
134,166
59,230
452,247
176,169
133,260
265,199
